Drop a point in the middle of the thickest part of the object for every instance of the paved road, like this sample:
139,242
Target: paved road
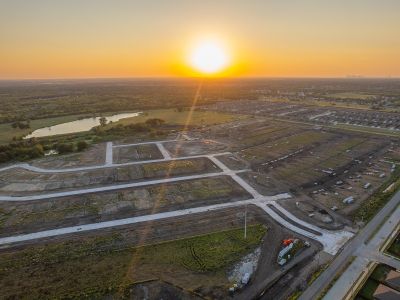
163,151
375,255
109,160
88,168
133,220
110,187
366,254
145,143
349,250
331,240
109,153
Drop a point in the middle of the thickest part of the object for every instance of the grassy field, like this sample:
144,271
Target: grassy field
366,129
350,95
7,132
100,266
378,199
139,201
172,116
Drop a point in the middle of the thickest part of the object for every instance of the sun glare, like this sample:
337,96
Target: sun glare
209,57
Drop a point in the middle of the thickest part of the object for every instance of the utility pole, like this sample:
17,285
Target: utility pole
245,221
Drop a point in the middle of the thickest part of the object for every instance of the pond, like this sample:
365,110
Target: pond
77,126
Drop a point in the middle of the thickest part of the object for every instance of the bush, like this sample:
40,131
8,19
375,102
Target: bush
82,145
21,150
65,148
155,122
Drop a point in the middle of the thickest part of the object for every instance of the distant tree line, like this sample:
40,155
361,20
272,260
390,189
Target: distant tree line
150,125
23,150
20,102
21,125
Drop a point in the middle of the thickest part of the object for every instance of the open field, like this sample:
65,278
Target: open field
371,121
197,147
347,95
318,162
185,117
366,129
20,181
95,155
89,208
7,132
136,153
311,160
107,265
99,251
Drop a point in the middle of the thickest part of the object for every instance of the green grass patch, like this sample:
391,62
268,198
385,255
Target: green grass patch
175,117
98,266
164,166
316,274
380,273
366,129
350,95
7,132
333,281
369,288
377,277
394,248
296,295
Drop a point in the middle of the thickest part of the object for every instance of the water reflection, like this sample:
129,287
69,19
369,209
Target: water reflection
78,125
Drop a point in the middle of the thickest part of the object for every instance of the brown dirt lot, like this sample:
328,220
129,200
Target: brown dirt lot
136,153
20,182
353,185
106,263
197,147
19,217
95,155
309,160
233,162
111,259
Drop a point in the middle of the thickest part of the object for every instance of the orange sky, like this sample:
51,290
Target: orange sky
121,38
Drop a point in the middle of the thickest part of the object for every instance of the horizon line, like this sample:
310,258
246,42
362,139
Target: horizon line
359,77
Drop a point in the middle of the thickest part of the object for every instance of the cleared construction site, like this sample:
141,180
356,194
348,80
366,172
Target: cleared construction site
235,210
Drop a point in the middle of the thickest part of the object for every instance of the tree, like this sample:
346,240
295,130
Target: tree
21,125
155,122
103,121
81,145
3,157
38,148
65,148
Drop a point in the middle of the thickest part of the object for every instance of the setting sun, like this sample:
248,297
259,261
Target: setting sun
209,57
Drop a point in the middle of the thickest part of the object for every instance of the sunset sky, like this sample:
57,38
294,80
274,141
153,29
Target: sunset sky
121,38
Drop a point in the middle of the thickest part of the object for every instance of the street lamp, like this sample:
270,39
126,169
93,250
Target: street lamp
245,221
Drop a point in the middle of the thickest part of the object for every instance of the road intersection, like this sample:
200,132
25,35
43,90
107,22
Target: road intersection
332,241
366,252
